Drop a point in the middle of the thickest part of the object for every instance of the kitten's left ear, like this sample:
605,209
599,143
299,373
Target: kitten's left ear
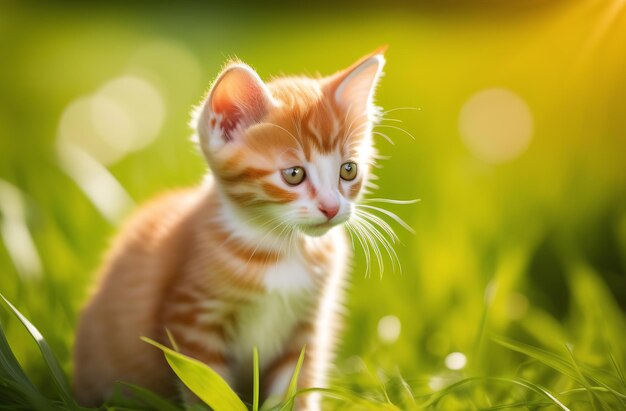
237,100
353,88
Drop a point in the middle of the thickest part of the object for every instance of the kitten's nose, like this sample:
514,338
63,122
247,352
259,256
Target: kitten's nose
329,210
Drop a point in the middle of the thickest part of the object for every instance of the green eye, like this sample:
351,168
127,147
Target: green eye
293,175
348,171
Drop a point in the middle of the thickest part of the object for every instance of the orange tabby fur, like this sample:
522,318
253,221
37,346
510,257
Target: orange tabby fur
246,259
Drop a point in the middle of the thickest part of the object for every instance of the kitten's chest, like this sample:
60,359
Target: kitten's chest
269,319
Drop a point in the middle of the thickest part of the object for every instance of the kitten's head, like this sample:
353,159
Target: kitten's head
295,151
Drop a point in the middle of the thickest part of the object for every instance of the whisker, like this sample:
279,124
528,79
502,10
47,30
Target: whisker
400,108
389,200
387,228
378,133
364,246
384,242
381,223
390,214
371,239
391,119
397,128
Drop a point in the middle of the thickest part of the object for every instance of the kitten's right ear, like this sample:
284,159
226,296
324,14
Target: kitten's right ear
237,100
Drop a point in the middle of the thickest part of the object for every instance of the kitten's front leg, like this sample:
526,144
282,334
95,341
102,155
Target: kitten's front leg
279,372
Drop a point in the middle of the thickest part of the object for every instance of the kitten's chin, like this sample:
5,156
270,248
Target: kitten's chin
318,230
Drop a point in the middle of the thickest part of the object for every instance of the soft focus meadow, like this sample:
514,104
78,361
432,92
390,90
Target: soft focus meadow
507,119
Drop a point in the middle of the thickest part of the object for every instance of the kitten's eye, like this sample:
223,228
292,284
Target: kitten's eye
348,171
293,175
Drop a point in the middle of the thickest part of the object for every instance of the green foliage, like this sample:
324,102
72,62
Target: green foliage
255,379
17,392
207,384
58,377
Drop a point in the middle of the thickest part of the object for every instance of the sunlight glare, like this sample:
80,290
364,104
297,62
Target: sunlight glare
96,182
15,233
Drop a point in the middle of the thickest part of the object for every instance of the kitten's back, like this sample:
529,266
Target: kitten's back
140,266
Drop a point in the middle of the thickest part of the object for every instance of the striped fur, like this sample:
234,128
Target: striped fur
246,259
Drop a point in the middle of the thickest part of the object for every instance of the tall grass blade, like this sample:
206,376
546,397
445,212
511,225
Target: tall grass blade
559,363
255,378
58,375
515,381
592,397
548,358
290,395
14,384
208,385
618,369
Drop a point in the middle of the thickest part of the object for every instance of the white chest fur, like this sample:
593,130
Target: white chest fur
269,319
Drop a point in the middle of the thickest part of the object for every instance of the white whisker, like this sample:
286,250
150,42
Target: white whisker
378,133
389,200
381,223
399,108
370,237
382,240
364,246
397,128
390,214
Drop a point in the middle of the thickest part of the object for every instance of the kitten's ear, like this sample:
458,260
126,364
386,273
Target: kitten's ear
237,100
353,88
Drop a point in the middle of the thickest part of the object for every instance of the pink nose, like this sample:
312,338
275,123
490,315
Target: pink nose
329,210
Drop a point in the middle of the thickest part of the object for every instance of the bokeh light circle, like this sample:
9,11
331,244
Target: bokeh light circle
389,328
124,115
128,112
456,361
496,125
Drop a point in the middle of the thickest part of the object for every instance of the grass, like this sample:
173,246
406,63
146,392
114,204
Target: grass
573,386
517,267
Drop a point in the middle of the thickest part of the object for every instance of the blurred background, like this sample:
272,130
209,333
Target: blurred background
508,122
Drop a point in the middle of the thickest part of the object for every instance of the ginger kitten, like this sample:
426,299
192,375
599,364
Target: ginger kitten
256,256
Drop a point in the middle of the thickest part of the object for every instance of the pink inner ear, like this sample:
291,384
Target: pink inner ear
240,99
231,115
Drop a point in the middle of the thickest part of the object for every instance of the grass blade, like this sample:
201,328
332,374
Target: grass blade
255,378
150,399
58,375
204,382
515,381
592,397
558,363
14,383
290,395
548,358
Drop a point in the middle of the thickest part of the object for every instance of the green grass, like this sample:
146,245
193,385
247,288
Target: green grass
573,385
518,266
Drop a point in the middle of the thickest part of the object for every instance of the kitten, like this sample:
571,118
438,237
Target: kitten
257,256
